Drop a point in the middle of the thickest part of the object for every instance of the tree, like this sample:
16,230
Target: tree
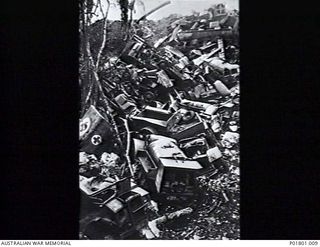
91,53
91,89
91,59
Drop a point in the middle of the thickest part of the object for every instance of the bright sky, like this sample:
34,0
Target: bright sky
183,7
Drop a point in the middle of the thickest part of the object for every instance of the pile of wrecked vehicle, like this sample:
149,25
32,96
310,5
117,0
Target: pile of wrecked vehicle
174,118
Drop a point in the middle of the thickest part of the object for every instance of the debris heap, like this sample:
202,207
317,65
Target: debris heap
173,126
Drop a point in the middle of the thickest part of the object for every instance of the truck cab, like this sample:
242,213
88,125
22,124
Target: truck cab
166,170
226,69
111,209
178,125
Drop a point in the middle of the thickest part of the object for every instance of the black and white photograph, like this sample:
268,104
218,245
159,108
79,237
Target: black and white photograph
123,120
159,119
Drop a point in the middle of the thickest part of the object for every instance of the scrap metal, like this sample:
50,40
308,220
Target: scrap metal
173,130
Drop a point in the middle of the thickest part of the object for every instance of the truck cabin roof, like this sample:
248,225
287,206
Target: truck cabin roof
168,154
180,164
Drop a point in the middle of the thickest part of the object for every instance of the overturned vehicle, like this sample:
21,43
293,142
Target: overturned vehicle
159,128
112,205
178,125
165,170
111,209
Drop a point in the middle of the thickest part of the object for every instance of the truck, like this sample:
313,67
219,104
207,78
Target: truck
95,132
225,68
111,209
178,125
164,170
